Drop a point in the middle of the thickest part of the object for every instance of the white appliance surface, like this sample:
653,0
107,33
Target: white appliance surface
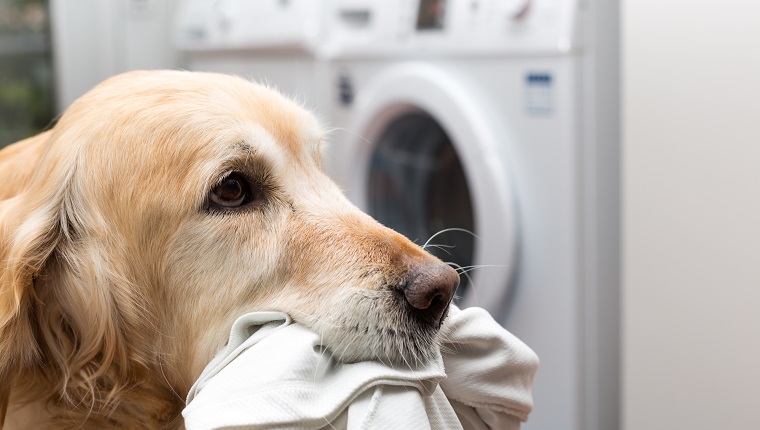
528,229
525,90
514,86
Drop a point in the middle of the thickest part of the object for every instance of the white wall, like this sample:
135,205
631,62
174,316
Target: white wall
691,160
96,39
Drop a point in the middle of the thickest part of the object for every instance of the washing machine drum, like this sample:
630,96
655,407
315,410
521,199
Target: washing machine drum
417,186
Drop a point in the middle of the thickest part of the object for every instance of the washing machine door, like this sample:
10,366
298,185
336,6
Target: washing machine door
427,163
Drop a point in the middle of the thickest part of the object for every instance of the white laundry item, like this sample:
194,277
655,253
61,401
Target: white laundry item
275,374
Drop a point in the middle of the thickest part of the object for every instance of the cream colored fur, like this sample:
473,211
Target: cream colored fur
118,283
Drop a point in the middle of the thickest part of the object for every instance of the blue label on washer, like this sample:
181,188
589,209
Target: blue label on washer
539,94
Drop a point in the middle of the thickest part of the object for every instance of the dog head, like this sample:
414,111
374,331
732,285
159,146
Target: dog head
162,206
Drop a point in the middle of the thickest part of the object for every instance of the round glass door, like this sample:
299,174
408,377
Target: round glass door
417,187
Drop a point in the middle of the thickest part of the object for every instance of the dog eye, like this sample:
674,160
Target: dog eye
231,192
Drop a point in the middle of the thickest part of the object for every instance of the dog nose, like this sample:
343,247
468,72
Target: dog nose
430,289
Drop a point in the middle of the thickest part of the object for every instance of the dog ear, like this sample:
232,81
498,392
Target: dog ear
64,301
29,232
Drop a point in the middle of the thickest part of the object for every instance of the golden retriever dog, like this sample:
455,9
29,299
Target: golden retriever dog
162,206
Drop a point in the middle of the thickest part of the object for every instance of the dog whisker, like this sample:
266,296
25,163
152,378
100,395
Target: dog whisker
345,130
322,353
478,266
464,272
444,248
401,348
298,314
448,230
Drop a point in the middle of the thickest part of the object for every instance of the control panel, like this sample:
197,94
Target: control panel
246,24
337,28
467,27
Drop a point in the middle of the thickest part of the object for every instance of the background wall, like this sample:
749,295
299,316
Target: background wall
691,120
96,39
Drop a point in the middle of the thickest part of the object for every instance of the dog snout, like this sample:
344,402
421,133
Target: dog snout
430,288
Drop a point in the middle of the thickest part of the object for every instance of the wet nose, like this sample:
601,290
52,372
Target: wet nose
430,290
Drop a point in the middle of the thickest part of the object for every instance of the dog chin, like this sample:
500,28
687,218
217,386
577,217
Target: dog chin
379,327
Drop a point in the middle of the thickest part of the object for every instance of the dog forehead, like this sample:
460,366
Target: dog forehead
152,117
247,102
198,102
267,123
292,127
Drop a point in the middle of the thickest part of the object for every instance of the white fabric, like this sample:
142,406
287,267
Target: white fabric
274,374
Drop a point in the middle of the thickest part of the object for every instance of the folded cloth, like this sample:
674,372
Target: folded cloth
275,374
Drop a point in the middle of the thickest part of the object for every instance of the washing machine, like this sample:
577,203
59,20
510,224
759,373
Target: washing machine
274,42
487,132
